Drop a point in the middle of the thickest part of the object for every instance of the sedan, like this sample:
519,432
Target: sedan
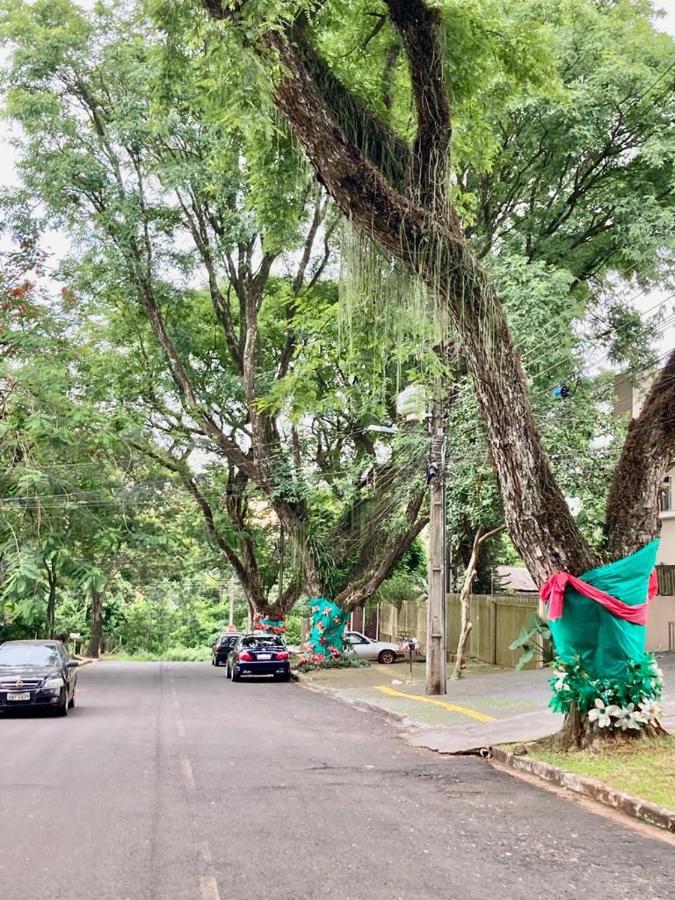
367,648
222,647
259,654
37,675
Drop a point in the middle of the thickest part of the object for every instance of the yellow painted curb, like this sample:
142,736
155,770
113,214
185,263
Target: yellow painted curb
451,707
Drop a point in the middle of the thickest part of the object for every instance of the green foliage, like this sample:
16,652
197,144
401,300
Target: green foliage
534,637
171,654
572,684
317,662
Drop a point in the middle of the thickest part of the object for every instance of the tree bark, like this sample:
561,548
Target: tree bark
647,455
96,624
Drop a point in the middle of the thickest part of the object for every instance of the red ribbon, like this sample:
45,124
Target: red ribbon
553,593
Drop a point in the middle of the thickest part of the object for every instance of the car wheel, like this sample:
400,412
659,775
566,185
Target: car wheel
71,704
285,677
387,657
63,709
235,676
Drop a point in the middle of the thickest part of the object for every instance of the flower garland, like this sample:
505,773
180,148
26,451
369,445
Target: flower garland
620,704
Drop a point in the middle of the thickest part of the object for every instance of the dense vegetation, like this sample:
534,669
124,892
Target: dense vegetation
201,391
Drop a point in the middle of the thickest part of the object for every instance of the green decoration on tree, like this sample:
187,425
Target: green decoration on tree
602,668
325,639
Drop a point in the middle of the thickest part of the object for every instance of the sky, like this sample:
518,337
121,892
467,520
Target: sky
649,304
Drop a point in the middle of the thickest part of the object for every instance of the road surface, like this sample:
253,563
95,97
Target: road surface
170,782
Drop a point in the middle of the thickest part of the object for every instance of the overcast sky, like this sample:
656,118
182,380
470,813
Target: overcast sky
660,303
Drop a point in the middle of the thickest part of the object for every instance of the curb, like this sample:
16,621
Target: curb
631,806
333,694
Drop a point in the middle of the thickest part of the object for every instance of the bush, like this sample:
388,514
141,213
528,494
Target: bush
311,664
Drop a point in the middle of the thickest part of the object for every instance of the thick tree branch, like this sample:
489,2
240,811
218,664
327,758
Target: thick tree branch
647,455
356,593
420,28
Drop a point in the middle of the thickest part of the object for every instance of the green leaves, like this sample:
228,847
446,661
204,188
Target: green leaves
533,637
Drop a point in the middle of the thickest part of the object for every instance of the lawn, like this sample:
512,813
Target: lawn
646,770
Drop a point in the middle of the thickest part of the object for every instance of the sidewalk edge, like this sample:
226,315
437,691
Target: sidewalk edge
335,694
590,788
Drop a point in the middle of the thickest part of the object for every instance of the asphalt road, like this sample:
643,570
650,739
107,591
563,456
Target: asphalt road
170,782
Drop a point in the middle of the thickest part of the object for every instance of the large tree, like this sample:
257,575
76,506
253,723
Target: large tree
160,192
593,187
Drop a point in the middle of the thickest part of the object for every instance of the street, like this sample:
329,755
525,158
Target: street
168,781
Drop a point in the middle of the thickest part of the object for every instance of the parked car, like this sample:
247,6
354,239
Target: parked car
221,649
367,648
259,654
37,675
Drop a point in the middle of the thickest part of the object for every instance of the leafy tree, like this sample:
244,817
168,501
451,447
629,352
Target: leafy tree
159,193
563,154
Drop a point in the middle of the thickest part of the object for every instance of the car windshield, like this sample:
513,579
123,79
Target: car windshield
262,641
29,655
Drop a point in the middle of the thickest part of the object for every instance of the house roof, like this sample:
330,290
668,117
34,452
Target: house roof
515,578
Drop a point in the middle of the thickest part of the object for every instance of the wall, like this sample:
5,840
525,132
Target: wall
666,554
661,624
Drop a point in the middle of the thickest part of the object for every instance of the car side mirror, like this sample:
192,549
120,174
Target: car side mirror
72,664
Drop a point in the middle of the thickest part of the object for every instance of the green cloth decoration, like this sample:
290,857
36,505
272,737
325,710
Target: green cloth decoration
328,626
604,643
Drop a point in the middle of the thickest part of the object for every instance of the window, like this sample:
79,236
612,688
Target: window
355,638
665,496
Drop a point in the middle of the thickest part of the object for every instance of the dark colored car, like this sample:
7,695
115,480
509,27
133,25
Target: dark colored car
259,654
37,675
222,647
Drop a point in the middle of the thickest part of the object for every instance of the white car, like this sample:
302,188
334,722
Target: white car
366,648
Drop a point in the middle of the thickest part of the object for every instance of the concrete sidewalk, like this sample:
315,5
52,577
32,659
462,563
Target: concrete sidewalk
488,706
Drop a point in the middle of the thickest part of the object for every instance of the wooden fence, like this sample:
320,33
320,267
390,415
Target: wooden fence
497,620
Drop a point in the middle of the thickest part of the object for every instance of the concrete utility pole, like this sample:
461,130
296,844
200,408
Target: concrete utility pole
436,679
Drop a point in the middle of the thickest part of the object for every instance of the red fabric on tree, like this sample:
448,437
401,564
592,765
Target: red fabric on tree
553,593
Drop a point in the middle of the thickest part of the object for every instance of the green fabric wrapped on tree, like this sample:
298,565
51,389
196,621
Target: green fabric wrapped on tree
328,625
605,643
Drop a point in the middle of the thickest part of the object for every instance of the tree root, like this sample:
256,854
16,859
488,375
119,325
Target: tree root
578,733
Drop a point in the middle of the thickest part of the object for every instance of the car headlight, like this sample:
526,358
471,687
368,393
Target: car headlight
53,683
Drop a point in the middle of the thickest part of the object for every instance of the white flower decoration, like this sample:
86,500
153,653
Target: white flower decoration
560,681
600,714
651,711
629,718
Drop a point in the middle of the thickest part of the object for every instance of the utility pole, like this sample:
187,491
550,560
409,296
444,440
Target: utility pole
436,680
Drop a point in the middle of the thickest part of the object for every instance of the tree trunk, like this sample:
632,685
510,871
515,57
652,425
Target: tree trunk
51,600
579,733
539,521
96,624
465,598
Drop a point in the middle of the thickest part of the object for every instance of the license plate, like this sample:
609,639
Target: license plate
264,656
18,696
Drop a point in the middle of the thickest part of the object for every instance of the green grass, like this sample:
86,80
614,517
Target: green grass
646,769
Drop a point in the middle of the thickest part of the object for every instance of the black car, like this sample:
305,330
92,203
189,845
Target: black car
222,647
37,675
259,654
